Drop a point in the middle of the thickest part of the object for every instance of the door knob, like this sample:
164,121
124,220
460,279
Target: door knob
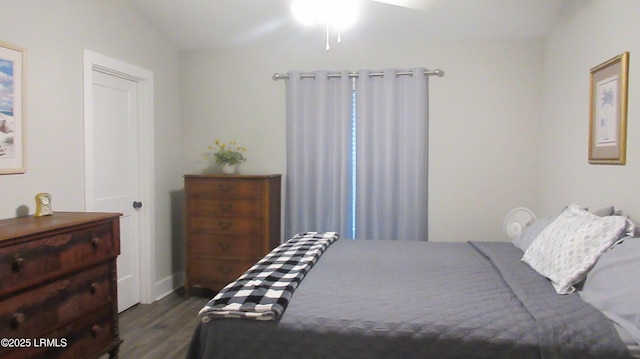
137,204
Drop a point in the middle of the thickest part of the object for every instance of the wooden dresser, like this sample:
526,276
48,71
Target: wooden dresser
58,294
231,222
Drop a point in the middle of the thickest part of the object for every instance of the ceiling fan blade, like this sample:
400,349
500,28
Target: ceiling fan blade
411,4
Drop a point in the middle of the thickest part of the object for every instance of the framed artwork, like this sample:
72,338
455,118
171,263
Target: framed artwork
608,111
12,148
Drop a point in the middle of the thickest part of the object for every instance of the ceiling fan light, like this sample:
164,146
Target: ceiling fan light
305,12
339,14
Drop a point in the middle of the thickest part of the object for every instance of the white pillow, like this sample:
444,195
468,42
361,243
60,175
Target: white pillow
569,247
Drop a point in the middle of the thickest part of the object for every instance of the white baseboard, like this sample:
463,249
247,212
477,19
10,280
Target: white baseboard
166,286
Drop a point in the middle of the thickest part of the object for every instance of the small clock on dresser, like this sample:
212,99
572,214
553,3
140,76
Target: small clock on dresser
43,205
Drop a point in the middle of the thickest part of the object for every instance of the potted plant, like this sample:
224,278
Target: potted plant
227,155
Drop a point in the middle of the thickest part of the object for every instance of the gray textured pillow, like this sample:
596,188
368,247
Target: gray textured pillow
632,227
613,286
606,211
524,239
571,245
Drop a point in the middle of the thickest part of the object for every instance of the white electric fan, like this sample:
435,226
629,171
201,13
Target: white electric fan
517,220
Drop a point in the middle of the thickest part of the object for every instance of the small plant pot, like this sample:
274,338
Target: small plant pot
228,169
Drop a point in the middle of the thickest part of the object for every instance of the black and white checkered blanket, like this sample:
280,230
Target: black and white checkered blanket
263,292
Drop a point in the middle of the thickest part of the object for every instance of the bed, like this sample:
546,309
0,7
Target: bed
405,299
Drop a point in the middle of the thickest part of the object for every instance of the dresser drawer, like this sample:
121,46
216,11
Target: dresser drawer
230,188
23,264
87,337
32,313
207,245
218,270
222,225
212,207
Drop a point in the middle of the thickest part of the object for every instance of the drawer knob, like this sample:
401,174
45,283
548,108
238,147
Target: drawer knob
95,241
225,207
95,330
225,225
224,246
16,320
94,288
18,262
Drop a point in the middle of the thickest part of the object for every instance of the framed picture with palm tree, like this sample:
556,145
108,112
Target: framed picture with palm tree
608,111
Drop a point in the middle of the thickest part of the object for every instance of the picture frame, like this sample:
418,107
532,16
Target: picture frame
608,111
12,119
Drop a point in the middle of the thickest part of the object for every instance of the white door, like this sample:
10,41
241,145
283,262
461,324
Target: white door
113,172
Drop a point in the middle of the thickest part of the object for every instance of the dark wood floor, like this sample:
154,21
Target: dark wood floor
162,329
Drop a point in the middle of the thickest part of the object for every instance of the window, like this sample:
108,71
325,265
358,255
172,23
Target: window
357,154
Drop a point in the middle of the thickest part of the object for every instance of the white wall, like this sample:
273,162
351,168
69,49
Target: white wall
484,116
54,34
590,33
496,141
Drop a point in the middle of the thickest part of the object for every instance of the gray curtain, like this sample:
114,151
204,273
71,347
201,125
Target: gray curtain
392,155
390,160
319,112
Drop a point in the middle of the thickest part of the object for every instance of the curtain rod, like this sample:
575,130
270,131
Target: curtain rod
436,72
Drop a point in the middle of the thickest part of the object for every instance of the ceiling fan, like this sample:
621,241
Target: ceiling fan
341,14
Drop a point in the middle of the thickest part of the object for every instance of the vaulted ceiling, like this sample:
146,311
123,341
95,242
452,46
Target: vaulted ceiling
204,24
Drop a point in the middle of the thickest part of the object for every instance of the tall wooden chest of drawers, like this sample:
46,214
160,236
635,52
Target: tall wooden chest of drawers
231,222
58,294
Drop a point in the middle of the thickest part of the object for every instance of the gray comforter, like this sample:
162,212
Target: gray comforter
390,299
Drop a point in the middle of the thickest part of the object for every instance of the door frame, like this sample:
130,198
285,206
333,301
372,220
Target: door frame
146,179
